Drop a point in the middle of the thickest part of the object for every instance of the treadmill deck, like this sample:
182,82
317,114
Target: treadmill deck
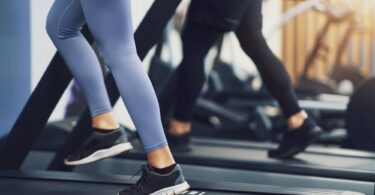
59,183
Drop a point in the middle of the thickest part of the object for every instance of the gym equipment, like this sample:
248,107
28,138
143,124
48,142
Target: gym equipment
239,110
248,156
39,182
360,117
335,14
342,73
316,161
13,154
311,87
251,123
238,165
329,115
117,166
357,115
226,147
194,172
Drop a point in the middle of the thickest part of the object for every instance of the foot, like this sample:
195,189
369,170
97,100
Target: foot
297,140
179,143
152,183
99,146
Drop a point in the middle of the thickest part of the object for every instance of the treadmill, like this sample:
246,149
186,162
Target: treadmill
253,156
246,155
40,160
61,183
224,160
49,90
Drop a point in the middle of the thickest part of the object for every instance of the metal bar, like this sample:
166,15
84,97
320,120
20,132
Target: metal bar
36,112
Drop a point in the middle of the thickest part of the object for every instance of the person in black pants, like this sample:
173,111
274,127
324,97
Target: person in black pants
206,22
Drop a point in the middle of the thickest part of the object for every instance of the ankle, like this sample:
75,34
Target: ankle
165,170
160,158
297,120
105,121
104,125
179,128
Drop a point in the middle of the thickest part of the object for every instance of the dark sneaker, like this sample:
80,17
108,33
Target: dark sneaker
152,183
179,143
99,146
297,140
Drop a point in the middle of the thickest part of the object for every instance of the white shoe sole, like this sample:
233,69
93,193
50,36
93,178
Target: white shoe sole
101,154
173,190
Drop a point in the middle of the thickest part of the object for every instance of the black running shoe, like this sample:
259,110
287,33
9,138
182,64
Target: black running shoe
152,183
297,140
99,146
179,143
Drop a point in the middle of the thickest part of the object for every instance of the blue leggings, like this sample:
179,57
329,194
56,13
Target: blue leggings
110,23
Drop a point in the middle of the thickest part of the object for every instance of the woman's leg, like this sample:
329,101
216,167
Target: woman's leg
272,70
276,79
65,21
64,24
197,40
81,59
110,24
116,44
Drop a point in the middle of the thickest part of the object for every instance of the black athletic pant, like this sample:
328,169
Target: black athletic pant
198,38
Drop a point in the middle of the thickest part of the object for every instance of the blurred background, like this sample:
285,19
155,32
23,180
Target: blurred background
327,46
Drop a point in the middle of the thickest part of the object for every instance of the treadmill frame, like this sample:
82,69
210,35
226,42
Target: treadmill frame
199,185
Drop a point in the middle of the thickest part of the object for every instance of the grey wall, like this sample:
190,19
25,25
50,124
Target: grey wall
15,63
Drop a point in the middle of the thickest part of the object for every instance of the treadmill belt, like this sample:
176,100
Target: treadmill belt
249,158
359,164
44,187
40,187
62,183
